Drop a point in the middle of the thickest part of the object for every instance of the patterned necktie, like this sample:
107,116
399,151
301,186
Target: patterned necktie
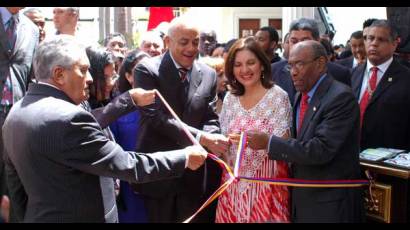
11,32
183,74
371,86
7,95
304,105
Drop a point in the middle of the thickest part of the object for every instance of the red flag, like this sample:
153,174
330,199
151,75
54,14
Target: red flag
158,15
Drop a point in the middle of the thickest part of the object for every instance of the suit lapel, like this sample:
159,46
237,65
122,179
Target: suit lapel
314,104
170,84
194,81
357,79
296,101
387,80
21,29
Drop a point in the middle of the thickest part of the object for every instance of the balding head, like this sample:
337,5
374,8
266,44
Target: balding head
307,63
313,47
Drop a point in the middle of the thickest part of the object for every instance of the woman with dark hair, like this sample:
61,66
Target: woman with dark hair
125,130
253,103
102,70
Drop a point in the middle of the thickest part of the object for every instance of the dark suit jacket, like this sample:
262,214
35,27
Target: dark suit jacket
386,121
159,131
347,62
64,161
281,76
327,148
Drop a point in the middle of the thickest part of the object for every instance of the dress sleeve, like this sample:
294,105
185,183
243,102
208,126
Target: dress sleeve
224,114
282,118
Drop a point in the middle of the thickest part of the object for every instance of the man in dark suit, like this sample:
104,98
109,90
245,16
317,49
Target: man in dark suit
383,93
301,30
62,159
358,51
326,147
190,88
18,41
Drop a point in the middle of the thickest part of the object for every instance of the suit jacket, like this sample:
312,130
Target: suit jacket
65,163
327,148
159,131
347,62
281,76
386,120
18,60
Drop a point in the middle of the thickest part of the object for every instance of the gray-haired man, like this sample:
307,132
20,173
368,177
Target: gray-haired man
59,162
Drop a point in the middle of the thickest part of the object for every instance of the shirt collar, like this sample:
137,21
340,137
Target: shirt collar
382,67
355,62
176,64
5,14
45,83
313,90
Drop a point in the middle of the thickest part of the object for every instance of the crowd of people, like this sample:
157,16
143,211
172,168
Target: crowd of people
85,137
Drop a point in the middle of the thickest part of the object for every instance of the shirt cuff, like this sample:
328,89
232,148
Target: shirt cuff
270,138
186,159
132,100
198,136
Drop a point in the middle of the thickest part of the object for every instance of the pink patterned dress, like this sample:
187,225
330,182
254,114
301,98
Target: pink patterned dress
247,202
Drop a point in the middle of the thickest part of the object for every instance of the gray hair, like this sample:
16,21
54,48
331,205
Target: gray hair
182,21
393,34
32,10
306,24
61,50
75,10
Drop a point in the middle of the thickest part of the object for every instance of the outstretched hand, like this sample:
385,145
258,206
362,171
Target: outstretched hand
196,156
142,97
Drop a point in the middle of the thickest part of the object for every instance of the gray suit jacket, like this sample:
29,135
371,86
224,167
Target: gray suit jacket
64,162
159,131
20,58
327,148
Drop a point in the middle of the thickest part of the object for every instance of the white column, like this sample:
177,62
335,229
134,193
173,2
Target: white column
291,13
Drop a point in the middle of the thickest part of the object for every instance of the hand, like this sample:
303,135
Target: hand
196,156
215,143
257,140
142,97
234,138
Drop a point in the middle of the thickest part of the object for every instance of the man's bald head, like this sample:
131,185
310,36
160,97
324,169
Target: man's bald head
307,63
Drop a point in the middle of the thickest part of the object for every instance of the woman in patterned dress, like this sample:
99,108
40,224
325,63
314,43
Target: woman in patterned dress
254,103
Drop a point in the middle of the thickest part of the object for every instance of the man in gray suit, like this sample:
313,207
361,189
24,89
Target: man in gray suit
326,144
189,86
18,40
58,160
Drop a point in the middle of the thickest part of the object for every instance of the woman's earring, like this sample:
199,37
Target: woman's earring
263,75
234,81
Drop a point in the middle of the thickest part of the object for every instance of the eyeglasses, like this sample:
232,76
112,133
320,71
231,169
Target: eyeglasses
300,64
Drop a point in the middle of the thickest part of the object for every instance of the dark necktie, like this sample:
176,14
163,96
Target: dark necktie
304,105
11,32
371,86
183,74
